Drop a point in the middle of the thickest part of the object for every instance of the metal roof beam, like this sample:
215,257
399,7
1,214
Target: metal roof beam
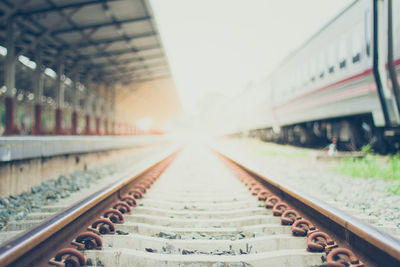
85,36
106,8
122,51
133,80
129,60
51,45
134,69
13,11
61,7
151,79
133,75
99,25
118,39
48,31
49,36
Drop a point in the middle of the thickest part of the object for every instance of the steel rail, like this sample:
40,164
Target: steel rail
37,245
378,247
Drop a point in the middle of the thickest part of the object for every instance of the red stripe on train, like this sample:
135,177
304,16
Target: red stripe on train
357,76
354,77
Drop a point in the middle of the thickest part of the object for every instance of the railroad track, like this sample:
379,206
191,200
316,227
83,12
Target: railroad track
197,212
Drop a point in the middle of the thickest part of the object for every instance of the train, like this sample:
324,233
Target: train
341,86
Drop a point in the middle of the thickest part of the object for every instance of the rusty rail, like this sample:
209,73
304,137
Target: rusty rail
374,247
36,246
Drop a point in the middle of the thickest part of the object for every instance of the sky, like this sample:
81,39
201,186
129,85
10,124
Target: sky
220,46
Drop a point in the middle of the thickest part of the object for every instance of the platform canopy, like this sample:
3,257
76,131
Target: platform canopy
111,41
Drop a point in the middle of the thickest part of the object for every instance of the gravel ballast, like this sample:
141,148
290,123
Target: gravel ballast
54,195
365,198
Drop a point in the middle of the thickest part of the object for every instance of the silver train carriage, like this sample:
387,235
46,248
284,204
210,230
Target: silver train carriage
343,83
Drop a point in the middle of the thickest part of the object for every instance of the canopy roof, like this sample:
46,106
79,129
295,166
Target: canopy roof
107,40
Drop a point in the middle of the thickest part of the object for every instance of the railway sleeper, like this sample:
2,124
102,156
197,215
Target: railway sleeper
202,216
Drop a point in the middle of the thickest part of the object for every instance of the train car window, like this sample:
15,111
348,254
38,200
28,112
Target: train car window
342,52
331,59
312,70
356,46
321,65
342,64
356,58
368,31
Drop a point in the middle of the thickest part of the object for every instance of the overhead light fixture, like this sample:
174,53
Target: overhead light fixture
68,81
3,51
51,73
27,62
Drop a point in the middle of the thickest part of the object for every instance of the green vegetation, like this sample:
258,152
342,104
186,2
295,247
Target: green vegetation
395,189
367,149
373,166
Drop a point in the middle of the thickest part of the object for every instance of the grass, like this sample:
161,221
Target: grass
394,189
370,166
373,166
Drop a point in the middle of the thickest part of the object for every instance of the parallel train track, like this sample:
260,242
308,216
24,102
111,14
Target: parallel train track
196,213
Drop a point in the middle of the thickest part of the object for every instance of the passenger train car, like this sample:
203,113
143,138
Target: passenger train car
343,83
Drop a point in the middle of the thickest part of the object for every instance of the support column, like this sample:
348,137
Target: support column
112,110
37,125
75,104
87,129
97,109
106,106
38,92
59,115
88,108
106,127
10,127
60,97
97,125
102,113
74,123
